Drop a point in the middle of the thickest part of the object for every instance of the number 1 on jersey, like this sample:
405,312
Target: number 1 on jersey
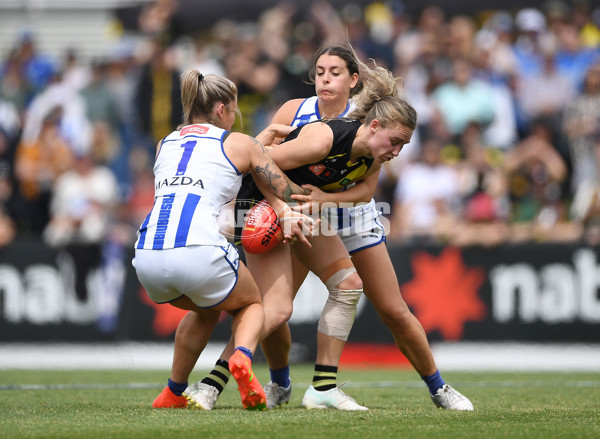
188,148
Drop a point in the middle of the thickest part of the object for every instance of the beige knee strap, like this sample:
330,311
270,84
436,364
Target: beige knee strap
337,272
338,313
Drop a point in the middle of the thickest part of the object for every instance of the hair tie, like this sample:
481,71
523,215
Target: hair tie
200,77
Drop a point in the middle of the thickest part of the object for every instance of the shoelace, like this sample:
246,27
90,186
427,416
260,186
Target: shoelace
344,393
273,390
452,394
343,384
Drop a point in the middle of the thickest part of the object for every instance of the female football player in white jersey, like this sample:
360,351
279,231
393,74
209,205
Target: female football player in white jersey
338,75
181,259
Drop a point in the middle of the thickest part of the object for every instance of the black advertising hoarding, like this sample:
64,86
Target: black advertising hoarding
541,292
45,297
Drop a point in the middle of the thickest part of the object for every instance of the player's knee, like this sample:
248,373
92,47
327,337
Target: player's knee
193,325
195,321
277,317
339,311
352,282
396,318
282,317
341,274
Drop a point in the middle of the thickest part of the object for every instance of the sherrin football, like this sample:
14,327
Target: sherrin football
261,232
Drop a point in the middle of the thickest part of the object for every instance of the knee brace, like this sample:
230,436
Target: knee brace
339,311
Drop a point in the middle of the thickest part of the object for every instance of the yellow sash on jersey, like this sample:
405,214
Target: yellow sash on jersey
350,177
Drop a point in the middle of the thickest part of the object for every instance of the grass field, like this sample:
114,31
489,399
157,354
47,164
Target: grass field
117,404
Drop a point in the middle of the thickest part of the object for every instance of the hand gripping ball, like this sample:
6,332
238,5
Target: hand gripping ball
261,232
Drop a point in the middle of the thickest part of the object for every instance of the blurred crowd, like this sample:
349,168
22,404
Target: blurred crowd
507,147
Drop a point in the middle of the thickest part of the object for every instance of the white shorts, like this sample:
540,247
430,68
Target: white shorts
356,241
358,227
206,274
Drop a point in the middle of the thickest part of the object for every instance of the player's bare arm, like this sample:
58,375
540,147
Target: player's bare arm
276,181
312,145
274,133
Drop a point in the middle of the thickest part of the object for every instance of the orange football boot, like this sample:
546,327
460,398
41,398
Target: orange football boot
168,400
252,393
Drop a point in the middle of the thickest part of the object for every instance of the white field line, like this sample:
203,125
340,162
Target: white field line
355,385
158,356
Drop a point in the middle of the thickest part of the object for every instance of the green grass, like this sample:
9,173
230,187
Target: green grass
117,404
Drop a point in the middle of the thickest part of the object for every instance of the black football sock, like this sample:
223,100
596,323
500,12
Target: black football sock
324,377
219,376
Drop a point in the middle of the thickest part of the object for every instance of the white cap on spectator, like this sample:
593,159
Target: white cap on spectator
530,20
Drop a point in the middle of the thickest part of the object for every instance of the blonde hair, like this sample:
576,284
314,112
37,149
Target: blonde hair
200,93
379,99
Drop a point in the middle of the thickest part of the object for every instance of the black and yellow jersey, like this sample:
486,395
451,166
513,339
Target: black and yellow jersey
333,172
336,170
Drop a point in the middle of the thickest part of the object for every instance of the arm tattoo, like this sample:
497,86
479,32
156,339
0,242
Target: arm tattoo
262,147
283,189
272,174
269,175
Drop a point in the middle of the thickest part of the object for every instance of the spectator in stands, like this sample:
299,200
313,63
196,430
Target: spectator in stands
76,73
121,80
585,209
581,122
72,122
7,225
463,100
537,173
419,61
157,19
100,103
543,95
573,59
583,19
7,228
483,191
461,37
37,68
81,205
425,198
157,95
496,36
14,86
256,75
425,37
81,209
38,164
10,127
531,40
102,113
206,57
141,197
494,64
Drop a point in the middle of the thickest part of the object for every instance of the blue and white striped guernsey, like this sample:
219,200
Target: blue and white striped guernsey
308,111
193,179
